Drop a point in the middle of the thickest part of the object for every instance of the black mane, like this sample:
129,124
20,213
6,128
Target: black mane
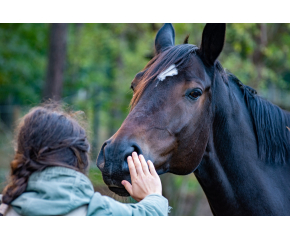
270,125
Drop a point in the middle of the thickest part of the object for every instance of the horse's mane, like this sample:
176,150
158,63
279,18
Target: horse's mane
178,55
270,125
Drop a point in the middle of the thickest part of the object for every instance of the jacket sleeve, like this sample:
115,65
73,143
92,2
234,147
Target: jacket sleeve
152,205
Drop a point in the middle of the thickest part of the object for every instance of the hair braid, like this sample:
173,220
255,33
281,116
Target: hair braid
21,169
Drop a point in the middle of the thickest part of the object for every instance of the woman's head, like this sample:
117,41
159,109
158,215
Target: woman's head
47,136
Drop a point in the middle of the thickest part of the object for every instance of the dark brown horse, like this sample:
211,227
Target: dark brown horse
188,115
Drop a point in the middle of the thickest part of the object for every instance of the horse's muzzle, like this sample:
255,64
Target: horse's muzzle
112,161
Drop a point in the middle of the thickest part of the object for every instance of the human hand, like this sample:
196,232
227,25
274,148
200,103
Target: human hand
144,182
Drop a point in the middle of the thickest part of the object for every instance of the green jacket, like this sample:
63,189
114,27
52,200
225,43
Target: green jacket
59,190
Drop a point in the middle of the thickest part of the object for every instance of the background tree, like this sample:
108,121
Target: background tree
56,61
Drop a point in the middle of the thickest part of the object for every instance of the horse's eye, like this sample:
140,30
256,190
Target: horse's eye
195,93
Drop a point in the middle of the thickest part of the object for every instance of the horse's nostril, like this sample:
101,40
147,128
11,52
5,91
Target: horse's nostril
133,148
137,149
101,157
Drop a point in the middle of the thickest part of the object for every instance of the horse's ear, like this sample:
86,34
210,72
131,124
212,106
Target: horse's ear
165,38
212,43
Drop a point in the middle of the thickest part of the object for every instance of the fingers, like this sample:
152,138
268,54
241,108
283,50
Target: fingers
132,168
152,168
144,165
137,163
140,166
128,186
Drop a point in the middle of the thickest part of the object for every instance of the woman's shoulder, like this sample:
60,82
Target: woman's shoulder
54,191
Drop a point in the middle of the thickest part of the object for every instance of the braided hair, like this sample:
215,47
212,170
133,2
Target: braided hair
47,136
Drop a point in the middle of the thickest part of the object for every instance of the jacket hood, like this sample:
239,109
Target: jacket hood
54,191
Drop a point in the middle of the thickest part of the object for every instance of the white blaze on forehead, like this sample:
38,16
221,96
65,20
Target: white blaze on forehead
171,71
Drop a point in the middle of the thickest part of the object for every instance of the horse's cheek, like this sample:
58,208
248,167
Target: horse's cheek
192,147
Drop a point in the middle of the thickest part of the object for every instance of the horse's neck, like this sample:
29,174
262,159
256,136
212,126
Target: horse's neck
230,173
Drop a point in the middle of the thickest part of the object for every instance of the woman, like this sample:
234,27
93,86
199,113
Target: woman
48,173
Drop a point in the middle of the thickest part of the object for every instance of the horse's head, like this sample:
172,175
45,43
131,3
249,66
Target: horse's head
171,109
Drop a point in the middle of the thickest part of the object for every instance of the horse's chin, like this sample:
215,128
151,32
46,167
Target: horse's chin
120,191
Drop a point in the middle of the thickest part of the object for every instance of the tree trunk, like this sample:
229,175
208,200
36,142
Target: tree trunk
258,55
56,61
96,125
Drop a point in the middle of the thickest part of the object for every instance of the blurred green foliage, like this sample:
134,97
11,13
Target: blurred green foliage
104,58
23,57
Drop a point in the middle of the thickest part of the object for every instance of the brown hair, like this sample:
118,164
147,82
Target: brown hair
47,136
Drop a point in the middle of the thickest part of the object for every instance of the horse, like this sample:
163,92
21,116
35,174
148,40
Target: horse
188,115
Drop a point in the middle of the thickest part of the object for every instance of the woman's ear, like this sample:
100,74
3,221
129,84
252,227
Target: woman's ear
165,38
212,43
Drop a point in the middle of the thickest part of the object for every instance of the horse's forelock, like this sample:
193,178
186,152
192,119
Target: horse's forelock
178,55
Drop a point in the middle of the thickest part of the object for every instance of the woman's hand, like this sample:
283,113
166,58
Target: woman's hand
144,182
